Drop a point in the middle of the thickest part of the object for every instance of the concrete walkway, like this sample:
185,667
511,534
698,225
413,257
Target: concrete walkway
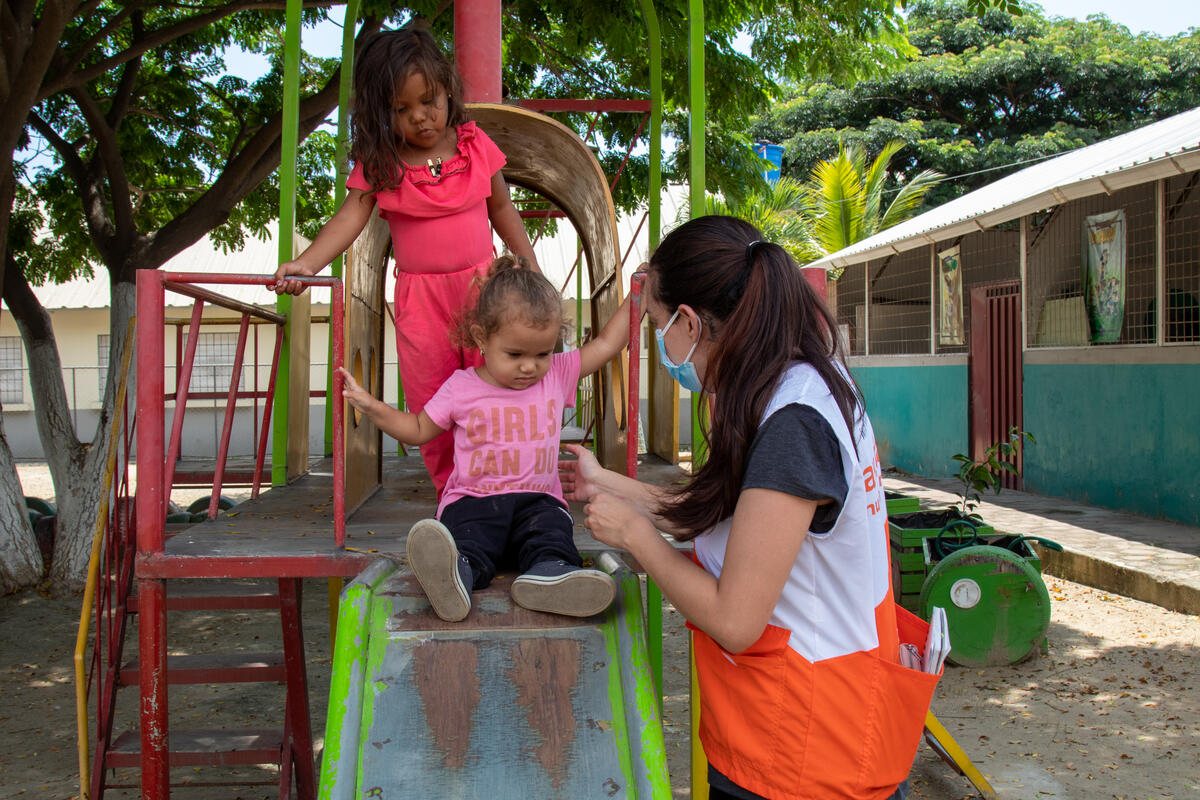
1146,559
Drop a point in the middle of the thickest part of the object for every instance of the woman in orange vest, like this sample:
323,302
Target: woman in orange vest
787,589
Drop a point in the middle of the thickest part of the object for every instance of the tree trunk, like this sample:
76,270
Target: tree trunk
20,559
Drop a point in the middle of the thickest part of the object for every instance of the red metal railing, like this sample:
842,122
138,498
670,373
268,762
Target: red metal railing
154,486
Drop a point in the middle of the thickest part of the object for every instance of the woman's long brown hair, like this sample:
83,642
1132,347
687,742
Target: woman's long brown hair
762,315
385,61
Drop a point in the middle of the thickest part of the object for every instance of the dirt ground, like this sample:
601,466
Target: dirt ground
1110,712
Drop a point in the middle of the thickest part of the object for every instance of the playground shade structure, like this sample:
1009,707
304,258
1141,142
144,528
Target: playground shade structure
508,703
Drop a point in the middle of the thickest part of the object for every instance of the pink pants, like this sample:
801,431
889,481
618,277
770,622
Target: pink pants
428,307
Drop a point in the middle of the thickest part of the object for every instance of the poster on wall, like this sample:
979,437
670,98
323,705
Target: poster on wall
950,304
1104,275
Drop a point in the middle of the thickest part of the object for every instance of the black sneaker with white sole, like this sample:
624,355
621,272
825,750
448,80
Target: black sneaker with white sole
443,573
557,587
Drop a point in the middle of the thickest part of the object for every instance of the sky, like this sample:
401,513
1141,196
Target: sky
1164,17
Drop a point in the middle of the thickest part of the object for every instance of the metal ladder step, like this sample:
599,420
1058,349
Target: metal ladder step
215,668
216,595
204,747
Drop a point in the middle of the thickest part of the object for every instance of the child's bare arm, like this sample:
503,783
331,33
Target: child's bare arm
404,426
613,338
507,222
334,237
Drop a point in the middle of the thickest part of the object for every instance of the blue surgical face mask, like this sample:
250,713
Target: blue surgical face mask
685,373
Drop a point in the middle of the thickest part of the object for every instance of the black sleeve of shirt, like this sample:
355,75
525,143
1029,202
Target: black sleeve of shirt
796,452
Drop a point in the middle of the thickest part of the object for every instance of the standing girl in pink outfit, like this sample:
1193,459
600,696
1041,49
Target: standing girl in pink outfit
504,501
436,178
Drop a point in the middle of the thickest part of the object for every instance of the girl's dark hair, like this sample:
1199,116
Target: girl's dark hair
511,291
384,63
762,315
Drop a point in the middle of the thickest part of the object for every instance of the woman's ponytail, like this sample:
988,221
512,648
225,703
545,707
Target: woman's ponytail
763,316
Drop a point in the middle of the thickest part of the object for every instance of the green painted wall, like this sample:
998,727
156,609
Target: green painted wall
919,414
1124,436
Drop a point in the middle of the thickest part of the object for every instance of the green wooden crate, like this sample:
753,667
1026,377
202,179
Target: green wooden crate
899,503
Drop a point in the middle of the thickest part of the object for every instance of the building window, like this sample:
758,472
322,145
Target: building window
102,341
12,370
213,368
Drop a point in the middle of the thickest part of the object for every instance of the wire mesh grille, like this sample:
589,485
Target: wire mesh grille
1181,260
1060,312
849,306
899,307
12,374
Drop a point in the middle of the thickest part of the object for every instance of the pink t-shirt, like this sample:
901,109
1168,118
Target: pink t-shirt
505,440
439,223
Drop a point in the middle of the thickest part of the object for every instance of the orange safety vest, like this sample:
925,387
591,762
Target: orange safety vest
820,707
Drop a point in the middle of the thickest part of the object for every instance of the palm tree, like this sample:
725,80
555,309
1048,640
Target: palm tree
779,210
841,203
845,197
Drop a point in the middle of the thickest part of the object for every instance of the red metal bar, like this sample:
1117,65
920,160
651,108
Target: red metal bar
184,372
254,414
151,504
261,452
299,743
610,104
152,658
227,426
190,290
628,151
628,249
338,352
477,49
331,563
636,284
548,214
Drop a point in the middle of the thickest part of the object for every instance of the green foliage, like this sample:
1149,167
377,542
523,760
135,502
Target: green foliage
844,200
779,210
580,48
986,474
848,198
991,93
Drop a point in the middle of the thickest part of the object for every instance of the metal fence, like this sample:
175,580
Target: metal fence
1074,270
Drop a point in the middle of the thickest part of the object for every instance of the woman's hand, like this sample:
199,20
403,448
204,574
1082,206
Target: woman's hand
285,285
356,395
579,478
615,522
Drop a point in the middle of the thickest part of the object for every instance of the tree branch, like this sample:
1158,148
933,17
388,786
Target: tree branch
244,171
71,76
113,165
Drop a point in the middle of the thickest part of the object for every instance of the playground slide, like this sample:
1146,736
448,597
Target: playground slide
508,703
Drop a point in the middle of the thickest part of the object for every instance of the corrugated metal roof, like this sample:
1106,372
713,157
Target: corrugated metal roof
257,257
1159,150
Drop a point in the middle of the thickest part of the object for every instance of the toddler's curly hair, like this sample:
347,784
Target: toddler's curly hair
510,292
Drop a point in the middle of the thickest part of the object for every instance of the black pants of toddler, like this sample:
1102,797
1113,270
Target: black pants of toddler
511,530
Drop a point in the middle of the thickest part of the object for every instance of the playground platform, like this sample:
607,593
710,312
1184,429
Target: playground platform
1152,560
286,532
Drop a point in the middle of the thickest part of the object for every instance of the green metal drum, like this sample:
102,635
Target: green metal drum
997,607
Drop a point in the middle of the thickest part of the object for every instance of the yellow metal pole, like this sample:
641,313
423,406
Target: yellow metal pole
958,756
699,760
93,573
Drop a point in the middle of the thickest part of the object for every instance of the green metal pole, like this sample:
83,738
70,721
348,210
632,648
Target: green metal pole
696,181
654,621
341,172
654,40
287,225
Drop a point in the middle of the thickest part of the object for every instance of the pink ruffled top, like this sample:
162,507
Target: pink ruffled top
440,223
